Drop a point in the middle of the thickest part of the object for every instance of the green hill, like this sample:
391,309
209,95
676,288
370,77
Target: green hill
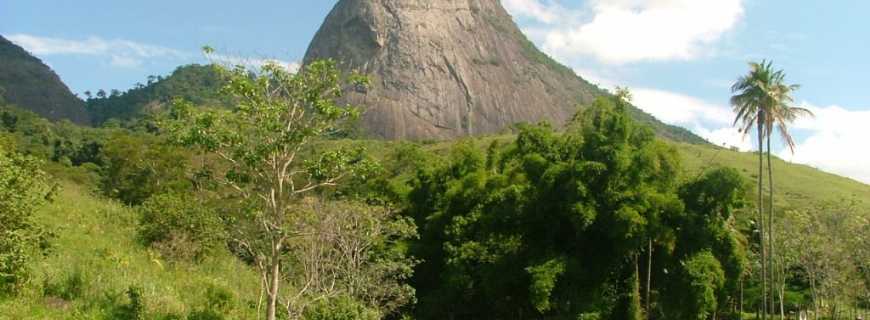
796,185
199,84
27,82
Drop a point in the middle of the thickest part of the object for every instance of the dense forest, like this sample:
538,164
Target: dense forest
264,207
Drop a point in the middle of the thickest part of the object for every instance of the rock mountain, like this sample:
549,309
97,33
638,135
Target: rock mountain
25,81
449,68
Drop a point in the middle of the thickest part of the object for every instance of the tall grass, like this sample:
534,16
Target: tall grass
96,269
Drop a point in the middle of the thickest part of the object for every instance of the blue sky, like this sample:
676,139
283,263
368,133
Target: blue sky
678,56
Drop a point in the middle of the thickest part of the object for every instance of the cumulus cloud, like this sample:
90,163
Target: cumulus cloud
626,31
119,52
709,120
836,141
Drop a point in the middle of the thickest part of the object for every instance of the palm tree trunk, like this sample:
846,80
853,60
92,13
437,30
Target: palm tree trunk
761,219
775,287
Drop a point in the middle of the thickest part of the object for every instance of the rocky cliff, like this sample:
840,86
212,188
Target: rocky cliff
447,68
28,83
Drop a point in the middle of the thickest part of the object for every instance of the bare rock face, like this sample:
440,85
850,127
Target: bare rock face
446,68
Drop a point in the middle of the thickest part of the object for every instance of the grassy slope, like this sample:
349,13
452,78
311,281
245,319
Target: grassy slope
797,186
95,237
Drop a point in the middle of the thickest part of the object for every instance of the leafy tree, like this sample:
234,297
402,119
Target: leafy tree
23,189
140,166
259,144
552,226
708,257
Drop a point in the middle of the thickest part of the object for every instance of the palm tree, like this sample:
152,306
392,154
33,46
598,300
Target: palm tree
748,102
763,100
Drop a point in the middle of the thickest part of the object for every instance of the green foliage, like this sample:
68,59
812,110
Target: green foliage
95,244
134,309
341,308
260,147
583,201
699,282
140,166
30,84
180,226
23,189
552,225
543,281
70,287
195,83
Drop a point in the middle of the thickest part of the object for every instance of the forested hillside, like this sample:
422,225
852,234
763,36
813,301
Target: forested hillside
197,83
27,82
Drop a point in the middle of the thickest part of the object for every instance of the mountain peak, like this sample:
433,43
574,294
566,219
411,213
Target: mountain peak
445,69
30,84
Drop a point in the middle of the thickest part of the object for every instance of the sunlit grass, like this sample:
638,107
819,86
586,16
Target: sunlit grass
95,241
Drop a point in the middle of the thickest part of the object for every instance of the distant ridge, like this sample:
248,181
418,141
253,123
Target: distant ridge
30,84
451,68
199,84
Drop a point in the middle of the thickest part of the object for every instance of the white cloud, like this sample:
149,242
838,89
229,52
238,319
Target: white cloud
121,53
710,121
836,142
546,13
680,109
625,31
255,63
728,137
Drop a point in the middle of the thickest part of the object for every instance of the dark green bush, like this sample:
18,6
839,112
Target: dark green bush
180,226
341,308
69,288
140,166
134,309
205,315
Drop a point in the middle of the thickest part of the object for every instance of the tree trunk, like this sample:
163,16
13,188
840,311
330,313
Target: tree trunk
771,253
740,315
274,282
814,295
648,277
761,217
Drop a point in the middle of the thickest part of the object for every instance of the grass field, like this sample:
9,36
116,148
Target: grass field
95,260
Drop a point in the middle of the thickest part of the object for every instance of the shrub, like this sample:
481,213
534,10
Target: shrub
179,226
23,189
341,308
138,167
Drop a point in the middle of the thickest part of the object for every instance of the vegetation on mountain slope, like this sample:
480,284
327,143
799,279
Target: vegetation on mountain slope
27,82
509,225
199,84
